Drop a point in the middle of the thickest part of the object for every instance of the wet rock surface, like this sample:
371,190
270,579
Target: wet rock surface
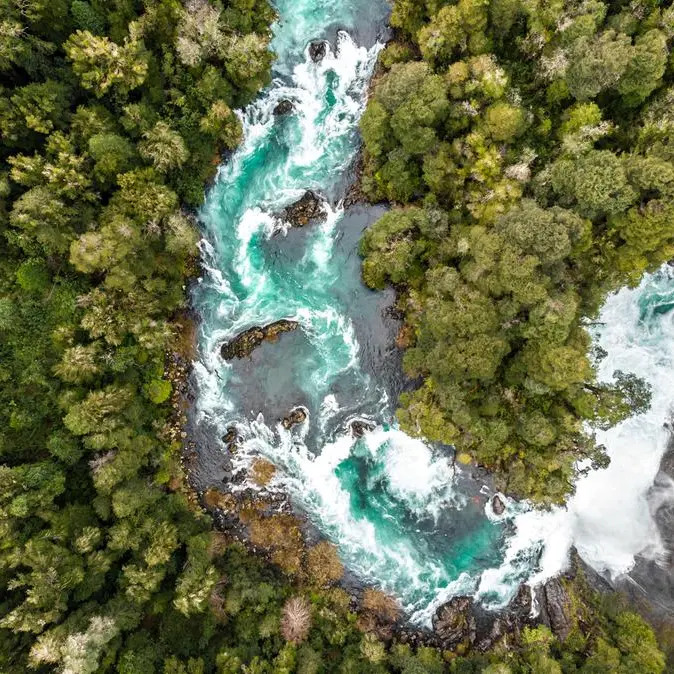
497,505
355,194
305,210
232,439
296,416
463,622
317,51
284,107
454,622
505,627
555,608
359,428
242,345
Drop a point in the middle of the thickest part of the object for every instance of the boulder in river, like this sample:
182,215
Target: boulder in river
284,107
296,416
454,622
360,427
231,439
497,505
304,210
318,50
244,344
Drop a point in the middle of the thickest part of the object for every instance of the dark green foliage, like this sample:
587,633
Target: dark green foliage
527,144
110,116
99,559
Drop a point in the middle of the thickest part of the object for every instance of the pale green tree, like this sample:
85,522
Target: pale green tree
102,64
164,147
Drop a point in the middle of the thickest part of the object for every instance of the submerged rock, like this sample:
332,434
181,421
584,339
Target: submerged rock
296,416
454,622
317,51
284,107
244,344
306,209
497,505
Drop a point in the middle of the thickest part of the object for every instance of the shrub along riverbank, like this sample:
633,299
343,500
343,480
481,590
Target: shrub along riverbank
113,115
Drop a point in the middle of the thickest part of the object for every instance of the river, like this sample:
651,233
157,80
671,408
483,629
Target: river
403,516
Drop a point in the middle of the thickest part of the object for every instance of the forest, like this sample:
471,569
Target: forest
522,201
528,147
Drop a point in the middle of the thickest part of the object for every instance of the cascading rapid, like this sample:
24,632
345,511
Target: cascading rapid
403,516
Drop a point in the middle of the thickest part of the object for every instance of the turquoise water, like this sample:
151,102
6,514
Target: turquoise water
402,515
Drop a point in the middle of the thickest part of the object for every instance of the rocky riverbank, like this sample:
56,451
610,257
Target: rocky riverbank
649,586
558,604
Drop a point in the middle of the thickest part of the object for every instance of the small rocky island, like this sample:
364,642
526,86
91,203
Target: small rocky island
307,209
298,415
284,107
317,50
245,343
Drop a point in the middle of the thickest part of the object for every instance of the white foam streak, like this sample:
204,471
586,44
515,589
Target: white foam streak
609,514
415,475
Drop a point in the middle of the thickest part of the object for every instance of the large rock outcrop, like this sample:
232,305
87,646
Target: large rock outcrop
244,344
460,622
454,622
555,608
505,627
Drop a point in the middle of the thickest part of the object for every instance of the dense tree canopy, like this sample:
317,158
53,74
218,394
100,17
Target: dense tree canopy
106,131
526,147
113,114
